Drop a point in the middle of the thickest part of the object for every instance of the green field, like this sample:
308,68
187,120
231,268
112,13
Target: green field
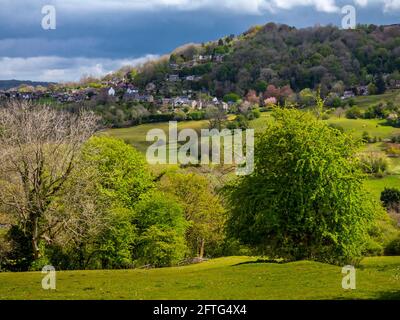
225,278
368,101
136,136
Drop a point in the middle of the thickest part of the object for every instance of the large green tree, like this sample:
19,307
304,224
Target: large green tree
305,199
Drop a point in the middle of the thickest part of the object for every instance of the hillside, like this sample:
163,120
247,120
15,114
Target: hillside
8,84
279,55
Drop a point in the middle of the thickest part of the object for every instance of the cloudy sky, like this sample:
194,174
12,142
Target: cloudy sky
94,37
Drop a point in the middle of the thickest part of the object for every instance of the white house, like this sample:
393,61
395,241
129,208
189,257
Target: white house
348,94
131,91
111,92
173,77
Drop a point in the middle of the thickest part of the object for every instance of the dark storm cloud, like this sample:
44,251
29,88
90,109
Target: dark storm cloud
129,29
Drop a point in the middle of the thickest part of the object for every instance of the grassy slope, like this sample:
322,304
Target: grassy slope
217,279
136,136
368,101
376,128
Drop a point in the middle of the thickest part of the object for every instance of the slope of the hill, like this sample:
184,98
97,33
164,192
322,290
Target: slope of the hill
279,55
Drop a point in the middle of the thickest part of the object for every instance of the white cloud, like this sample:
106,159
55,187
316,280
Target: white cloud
59,69
391,5
320,5
239,6
361,3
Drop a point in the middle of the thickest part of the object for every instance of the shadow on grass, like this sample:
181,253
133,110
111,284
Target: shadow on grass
392,295
260,261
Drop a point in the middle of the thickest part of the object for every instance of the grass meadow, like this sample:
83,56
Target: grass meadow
228,278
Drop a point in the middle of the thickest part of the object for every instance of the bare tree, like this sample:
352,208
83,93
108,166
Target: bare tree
38,149
216,117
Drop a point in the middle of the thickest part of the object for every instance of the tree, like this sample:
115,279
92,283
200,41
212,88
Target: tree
354,113
380,84
307,97
109,180
38,149
216,117
231,97
161,228
252,97
202,208
305,199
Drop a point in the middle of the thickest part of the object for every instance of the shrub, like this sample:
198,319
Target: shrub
256,113
354,113
374,163
393,248
390,198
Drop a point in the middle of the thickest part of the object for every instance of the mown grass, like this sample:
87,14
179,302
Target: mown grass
225,278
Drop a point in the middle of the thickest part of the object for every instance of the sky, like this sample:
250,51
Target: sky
95,37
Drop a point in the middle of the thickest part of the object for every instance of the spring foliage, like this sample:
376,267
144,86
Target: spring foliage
305,199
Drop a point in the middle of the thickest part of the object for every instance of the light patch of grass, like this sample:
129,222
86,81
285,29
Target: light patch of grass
376,185
368,101
356,127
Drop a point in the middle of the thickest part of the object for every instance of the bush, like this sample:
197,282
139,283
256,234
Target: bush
390,198
354,113
366,137
256,113
375,164
393,248
337,127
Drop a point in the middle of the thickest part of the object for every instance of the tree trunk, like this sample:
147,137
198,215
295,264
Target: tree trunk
201,254
35,245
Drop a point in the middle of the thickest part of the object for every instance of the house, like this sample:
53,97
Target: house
173,77
111,92
166,101
395,84
215,101
362,90
149,98
180,101
219,58
190,78
201,58
132,91
225,106
348,94
151,87
174,66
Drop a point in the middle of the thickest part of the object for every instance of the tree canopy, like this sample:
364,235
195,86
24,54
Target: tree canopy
305,199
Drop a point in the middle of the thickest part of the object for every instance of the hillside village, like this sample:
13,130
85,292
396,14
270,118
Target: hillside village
195,77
